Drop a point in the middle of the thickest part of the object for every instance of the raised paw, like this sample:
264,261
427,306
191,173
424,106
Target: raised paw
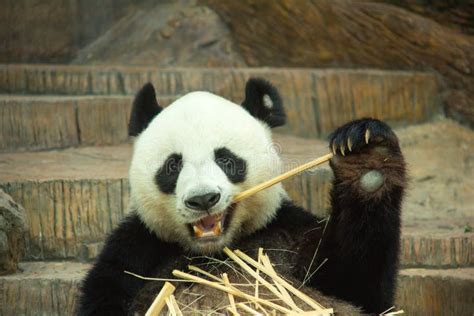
357,135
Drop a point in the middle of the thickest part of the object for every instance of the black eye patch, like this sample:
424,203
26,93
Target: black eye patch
167,176
233,166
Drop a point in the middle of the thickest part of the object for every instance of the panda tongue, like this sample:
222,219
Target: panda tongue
208,222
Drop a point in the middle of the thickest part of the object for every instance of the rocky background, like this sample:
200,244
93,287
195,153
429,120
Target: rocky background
389,34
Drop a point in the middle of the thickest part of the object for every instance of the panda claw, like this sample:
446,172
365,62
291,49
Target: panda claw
334,148
367,136
343,149
349,144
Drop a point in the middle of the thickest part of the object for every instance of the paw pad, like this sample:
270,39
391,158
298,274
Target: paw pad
371,181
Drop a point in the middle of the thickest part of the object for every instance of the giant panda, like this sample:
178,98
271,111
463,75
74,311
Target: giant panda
193,156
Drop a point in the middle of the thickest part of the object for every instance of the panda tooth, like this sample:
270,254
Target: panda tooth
197,231
218,228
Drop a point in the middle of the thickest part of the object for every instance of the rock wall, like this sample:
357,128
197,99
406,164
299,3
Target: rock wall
343,33
52,31
12,233
174,34
125,32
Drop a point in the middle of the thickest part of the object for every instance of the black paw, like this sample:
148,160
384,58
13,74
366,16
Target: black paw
359,134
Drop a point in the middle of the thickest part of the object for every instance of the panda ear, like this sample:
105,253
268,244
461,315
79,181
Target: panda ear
144,109
263,101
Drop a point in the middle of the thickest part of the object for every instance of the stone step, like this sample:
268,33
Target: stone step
317,100
49,122
436,292
50,288
42,288
74,197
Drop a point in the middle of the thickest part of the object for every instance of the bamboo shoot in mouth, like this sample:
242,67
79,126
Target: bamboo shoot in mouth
290,173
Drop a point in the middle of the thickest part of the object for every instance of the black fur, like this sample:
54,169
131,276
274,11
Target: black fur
167,176
107,290
144,109
255,90
233,166
362,238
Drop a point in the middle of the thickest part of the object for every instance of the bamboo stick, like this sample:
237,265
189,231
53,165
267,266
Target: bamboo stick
323,312
260,253
395,313
308,300
160,300
170,306
231,297
262,186
209,275
249,309
175,305
266,263
250,271
233,291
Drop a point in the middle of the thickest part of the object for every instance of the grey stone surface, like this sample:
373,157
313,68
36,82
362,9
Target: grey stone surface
12,232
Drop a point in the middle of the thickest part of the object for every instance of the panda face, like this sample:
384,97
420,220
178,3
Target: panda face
188,164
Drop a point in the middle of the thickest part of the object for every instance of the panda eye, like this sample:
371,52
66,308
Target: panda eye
233,166
167,176
225,162
173,165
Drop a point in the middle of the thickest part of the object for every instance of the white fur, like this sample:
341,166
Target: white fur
267,101
194,126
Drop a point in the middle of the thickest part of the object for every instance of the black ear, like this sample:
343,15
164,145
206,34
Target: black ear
144,109
263,101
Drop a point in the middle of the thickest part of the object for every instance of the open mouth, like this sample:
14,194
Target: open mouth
209,226
212,226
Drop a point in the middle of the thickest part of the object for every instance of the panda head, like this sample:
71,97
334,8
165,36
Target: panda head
192,157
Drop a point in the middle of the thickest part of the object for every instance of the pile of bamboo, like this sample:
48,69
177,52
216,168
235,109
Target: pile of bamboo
241,302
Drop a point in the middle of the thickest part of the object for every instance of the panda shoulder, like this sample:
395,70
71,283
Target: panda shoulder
293,217
132,237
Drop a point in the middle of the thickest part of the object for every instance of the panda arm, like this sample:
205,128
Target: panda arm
131,247
360,244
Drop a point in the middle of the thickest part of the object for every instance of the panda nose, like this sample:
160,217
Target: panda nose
203,202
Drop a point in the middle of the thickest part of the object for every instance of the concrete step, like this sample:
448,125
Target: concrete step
42,288
317,101
49,122
436,292
50,288
74,197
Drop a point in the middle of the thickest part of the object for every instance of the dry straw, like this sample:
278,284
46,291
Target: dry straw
241,302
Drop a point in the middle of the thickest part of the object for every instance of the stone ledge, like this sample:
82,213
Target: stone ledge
436,292
43,288
40,122
317,101
51,288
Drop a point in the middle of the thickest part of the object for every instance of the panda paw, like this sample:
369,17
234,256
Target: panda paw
359,135
367,157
